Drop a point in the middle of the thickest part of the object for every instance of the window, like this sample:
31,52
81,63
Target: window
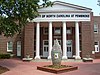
57,30
45,30
46,42
9,46
69,42
69,31
96,45
95,28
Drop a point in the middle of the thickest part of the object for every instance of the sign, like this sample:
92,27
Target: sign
64,15
54,17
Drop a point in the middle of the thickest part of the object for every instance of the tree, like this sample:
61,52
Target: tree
98,2
14,14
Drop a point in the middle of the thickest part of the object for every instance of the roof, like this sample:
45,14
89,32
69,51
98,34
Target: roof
59,6
72,5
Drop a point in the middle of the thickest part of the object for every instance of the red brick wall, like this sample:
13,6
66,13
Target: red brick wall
97,35
87,38
29,40
4,40
3,44
27,37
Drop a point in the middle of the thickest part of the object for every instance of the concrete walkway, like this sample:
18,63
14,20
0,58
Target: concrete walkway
18,67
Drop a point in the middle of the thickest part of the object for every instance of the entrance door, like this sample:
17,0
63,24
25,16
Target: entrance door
45,48
69,48
18,48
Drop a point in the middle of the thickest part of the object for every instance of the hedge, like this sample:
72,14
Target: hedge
4,56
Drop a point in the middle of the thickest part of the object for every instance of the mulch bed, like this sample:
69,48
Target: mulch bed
3,69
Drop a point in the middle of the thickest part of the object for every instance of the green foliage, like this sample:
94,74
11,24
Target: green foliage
4,56
14,14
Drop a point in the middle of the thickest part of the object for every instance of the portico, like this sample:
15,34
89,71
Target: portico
64,56
64,14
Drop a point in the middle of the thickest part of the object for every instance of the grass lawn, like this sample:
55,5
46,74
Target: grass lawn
3,69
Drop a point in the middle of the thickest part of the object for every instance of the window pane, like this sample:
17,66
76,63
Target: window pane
57,30
45,42
95,28
9,46
45,30
68,30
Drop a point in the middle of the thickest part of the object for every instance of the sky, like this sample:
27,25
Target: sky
85,3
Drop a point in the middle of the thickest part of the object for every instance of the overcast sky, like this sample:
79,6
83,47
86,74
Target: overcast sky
85,3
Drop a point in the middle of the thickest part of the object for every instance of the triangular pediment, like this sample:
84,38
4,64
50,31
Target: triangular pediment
62,6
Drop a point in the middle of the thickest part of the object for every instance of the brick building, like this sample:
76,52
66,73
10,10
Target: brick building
75,27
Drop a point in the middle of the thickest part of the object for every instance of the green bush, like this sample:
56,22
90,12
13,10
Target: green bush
4,56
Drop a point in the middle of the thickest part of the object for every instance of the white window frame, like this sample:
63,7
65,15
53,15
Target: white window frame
96,46
95,28
8,48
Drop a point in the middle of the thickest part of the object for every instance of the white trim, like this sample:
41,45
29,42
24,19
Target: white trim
50,39
64,41
77,41
37,41
72,5
62,6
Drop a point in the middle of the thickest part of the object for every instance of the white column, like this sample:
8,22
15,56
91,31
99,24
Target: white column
50,39
37,41
77,41
64,42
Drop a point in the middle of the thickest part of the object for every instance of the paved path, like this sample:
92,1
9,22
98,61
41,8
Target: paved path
18,67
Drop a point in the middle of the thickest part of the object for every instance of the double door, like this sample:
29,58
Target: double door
46,47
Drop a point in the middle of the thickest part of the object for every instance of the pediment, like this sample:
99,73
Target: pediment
62,6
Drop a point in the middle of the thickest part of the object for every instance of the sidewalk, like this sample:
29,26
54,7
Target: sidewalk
18,67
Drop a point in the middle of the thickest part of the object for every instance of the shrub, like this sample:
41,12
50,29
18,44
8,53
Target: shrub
4,56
